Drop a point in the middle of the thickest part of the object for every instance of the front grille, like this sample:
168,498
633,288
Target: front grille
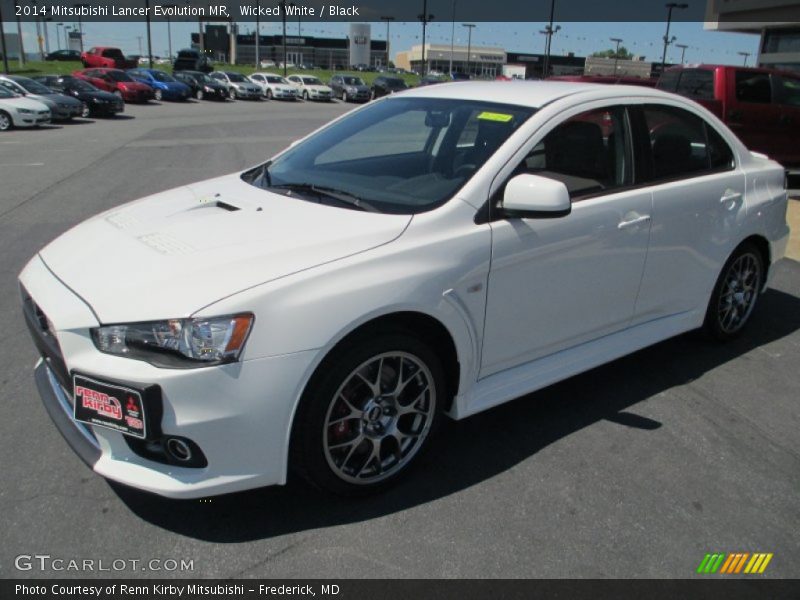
44,338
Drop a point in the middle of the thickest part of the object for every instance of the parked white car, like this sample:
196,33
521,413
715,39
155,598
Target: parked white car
436,252
274,86
311,88
18,111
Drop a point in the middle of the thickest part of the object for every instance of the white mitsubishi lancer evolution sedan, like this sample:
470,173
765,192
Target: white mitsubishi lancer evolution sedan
434,253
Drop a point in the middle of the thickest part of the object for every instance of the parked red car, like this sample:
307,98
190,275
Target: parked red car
762,106
117,82
106,57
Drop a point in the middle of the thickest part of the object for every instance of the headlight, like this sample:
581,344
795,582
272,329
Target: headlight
25,111
208,88
177,343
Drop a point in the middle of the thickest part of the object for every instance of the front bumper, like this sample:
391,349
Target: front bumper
26,120
248,94
239,415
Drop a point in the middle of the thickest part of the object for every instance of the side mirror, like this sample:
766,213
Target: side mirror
532,196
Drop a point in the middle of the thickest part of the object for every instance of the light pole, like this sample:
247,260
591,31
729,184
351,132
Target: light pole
67,29
683,48
549,31
58,34
138,37
470,27
283,4
258,36
616,53
80,22
745,54
667,40
39,39
3,42
169,30
45,20
19,44
388,20
452,37
426,18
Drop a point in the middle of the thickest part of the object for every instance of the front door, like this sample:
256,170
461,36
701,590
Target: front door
556,283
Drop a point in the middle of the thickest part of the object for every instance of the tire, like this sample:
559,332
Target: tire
735,293
269,94
158,95
5,121
354,433
232,93
199,94
85,110
305,95
344,96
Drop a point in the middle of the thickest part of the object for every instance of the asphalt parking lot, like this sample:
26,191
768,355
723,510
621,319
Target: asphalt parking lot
635,469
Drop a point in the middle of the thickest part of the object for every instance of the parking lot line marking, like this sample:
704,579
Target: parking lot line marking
22,165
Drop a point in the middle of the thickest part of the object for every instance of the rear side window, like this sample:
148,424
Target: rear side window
697,83
788,91
753,87
668,81
683,145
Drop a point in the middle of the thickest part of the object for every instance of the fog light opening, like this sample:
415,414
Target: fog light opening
179,450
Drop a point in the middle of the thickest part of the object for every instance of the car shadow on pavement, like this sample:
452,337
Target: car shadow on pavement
467,452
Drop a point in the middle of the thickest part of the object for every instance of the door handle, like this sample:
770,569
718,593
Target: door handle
730,195
633,222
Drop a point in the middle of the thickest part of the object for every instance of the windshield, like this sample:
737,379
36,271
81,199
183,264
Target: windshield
353,81
404,155
34,87
274,79
4,93
311,81
237,78
119,76
395,83
161,76
79,84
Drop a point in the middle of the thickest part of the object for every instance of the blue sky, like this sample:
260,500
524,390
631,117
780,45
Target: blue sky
580,38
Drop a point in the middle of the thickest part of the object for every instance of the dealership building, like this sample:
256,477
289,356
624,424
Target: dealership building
329,53
776,21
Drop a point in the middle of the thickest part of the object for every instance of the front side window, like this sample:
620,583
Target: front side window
406,155
788,91
753,87
162,77
590,153
682,144
236,77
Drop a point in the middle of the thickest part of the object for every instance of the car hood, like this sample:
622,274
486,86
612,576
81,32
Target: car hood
58,98
21,102
318,88
173,253
104,96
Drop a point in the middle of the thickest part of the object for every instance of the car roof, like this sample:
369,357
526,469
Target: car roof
534,94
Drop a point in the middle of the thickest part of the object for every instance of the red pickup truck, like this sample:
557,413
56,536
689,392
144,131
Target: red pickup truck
761,106
106,57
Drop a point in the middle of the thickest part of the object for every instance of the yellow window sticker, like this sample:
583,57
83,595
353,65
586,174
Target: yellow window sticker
493,116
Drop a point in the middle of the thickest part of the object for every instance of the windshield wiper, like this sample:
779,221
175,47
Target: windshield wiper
320,191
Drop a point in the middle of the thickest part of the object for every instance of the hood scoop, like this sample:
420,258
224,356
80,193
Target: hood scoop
206,202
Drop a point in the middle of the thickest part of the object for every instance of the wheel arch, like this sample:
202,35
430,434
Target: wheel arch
762,245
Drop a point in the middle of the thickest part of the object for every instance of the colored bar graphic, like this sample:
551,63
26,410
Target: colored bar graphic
734,563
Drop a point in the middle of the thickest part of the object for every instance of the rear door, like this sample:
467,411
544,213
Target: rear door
698,205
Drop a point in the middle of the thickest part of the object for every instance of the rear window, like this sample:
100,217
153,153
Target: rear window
697,83
113,53
669,81
753,87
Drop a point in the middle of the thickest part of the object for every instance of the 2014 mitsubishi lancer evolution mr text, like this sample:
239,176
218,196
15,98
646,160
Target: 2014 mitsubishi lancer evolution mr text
433,253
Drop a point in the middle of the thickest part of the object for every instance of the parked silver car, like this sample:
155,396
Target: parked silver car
62,108
238,85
